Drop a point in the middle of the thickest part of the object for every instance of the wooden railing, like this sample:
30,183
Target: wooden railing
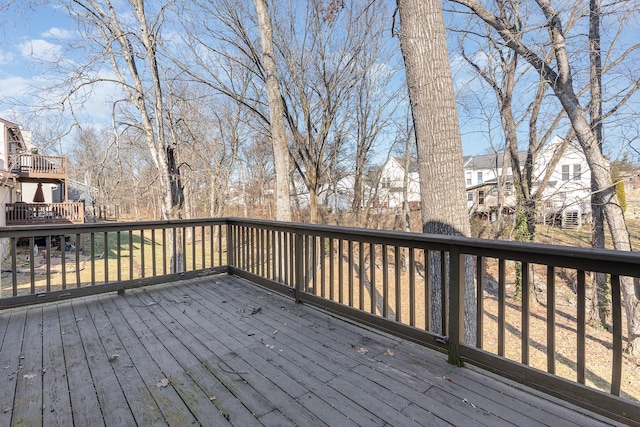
387,280
35,165
44,213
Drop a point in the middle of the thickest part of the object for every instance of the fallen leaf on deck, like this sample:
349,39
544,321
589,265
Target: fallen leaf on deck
363,350
388,352
255,310
268,346
162,383
212,398
113,357
28,376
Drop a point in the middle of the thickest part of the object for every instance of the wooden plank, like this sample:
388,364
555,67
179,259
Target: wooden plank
27,404
281,390
85,405
140,401
188,403
56,402
306,365
129,329
10,362
113,403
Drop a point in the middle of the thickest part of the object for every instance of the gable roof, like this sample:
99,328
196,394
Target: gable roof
413,163
489,161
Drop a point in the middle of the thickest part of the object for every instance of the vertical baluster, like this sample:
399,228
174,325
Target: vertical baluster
525,313
340,273
79,244
62,245
479,300
164,251
284,264
361,274
32,266
331,271
412,287
291,249
184,248
142,263
268,249
398,285
616,319
314,263
385,281
444,295
92,254
203,245
580,327
220,247
105,254
428,289
119,255
193,249
14,266
501,307
372,277
48,261
323,279
154,264
131,254
551,320
350,271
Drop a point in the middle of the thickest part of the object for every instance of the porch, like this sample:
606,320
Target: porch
220,350
44,213
214,346
38,167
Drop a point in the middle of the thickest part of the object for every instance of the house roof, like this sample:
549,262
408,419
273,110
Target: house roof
413,163
489,161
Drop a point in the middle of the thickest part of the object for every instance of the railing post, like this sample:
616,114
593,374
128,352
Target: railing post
230,244
299,267
456,304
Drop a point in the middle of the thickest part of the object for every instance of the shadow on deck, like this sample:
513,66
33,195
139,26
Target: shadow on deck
222,351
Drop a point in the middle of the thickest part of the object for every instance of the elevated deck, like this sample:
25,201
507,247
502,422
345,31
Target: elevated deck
219,350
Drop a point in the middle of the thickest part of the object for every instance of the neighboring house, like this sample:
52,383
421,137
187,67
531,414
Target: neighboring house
631,181
34,187
390,190
565,199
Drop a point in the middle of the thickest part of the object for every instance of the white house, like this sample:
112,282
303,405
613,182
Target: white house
390,191
566,196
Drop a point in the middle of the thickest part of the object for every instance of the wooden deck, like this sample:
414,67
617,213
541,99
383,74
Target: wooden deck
222,351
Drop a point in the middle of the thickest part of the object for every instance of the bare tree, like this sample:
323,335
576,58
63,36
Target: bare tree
560,80
126,38
276,113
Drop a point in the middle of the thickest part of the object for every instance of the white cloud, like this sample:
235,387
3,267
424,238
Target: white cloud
40,50
5,57
14,87
57,33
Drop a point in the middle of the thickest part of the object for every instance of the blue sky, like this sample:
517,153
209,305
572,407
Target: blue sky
30,38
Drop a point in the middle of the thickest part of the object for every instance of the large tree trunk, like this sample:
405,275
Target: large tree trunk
439,147
276,113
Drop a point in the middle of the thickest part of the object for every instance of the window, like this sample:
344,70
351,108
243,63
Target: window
469,196
468,179
481,197
577,172
480,180
494,190
386,182
565,172
508,189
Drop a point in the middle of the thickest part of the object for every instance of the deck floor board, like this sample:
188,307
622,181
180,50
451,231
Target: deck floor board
222,351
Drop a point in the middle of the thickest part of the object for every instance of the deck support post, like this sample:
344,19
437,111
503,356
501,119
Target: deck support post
456,304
